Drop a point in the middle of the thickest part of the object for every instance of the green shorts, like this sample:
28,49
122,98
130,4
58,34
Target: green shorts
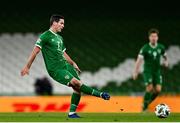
65,75
154,78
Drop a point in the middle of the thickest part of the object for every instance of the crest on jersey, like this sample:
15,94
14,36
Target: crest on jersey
154,54
159,51
67,77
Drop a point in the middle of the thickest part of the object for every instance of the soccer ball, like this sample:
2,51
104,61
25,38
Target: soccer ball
162,110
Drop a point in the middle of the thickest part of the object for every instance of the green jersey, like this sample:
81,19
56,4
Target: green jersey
52,48
152,56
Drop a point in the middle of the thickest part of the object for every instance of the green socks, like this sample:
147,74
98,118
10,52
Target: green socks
147,99
153,96
76,97
90,91
74,101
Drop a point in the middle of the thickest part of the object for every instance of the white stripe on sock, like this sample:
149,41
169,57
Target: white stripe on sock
71,113
74,105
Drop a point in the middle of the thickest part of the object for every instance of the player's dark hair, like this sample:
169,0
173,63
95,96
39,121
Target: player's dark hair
55,18
153,30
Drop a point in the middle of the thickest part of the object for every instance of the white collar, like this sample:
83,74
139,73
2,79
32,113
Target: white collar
52,32
153,46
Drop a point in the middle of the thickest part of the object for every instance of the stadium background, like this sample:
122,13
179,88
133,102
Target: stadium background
102,37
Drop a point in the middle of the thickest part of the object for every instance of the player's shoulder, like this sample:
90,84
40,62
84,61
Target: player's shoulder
143,49
45,35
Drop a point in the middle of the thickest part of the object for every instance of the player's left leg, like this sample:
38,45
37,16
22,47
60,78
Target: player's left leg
75,99
77,84
76,96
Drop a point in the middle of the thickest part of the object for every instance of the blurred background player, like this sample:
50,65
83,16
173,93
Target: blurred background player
151,54
59,65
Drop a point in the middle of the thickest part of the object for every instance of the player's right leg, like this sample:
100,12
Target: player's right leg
149,88
147,96
75,98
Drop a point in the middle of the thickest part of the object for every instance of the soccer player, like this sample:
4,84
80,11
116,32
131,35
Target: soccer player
59,65
151,54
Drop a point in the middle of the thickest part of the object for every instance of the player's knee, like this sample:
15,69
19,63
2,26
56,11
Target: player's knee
76,84
158,89
149,88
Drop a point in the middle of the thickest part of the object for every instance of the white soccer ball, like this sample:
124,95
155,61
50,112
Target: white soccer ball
162,110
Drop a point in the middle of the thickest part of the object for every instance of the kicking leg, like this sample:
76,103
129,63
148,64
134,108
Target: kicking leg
77,84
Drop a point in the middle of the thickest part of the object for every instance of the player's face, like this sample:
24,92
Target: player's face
60,25
153,38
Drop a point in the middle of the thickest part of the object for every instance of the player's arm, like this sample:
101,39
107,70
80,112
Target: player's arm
68,58
137,66
31,58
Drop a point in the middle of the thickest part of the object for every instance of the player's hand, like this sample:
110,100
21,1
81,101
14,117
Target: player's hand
25,71
135,75
76,67
165,63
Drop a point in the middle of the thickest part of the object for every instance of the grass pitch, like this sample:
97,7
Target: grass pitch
86,117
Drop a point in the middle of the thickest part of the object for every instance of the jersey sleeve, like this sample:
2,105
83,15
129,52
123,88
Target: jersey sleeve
63,48
41,41
142,52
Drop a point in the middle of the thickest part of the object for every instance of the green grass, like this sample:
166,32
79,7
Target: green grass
87,117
